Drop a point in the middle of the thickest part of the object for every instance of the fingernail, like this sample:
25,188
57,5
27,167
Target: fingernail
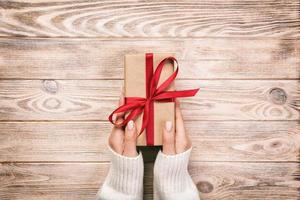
130,125
168,126
114,117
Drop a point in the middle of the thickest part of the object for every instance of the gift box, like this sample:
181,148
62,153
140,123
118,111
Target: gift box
150,95
136,86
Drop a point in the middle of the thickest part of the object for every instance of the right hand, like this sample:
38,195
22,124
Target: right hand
177,141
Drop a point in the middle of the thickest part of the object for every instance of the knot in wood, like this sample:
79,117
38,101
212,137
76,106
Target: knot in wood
276,144
278,96
205,187
50,86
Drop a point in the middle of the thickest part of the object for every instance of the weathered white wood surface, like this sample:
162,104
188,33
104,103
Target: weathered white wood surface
61,70
189,18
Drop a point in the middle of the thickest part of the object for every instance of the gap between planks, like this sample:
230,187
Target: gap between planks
99,121
152,38
107,162
182,79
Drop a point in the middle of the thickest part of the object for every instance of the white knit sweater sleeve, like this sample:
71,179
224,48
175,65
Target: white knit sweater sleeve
171,178
124,180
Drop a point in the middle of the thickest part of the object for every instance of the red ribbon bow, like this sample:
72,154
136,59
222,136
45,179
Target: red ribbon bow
137,105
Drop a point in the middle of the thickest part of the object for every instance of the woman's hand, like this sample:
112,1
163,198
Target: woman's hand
177,141
171,177
124,141
125,163
120,142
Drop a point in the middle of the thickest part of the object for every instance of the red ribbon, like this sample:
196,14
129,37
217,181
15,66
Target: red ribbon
136,105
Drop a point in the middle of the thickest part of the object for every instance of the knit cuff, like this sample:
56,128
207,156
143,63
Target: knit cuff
126,174
171,172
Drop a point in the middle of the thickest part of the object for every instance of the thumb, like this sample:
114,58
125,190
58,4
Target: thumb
130,140
168,139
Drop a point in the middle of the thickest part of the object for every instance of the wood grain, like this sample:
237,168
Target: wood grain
214,180
51,181
190,18
95,99
246,180
213,141
205,58
61,70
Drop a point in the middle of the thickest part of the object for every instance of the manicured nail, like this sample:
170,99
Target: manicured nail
130,125
168,126
114,118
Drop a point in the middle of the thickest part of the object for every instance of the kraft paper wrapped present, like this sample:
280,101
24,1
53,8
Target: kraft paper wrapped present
135,86
150,95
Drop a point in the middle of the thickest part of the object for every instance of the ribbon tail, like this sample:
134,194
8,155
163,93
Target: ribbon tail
133,114
176,94
125,108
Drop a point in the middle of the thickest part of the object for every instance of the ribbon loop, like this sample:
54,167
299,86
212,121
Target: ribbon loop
137,105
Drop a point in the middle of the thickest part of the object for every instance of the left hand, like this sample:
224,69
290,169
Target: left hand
123,141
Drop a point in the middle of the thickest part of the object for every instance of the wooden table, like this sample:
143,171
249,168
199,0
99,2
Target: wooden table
61,70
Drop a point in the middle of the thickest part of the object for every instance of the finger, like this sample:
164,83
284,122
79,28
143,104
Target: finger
180,130
130,140
116,140
168,139
118,118
121,101
182,139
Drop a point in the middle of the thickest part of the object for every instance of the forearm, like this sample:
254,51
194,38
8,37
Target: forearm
124,179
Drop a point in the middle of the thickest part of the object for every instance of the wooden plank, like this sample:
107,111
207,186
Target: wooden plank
174,18
51,181
212,141
54,141
95,99
245,181
214,180
205,58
